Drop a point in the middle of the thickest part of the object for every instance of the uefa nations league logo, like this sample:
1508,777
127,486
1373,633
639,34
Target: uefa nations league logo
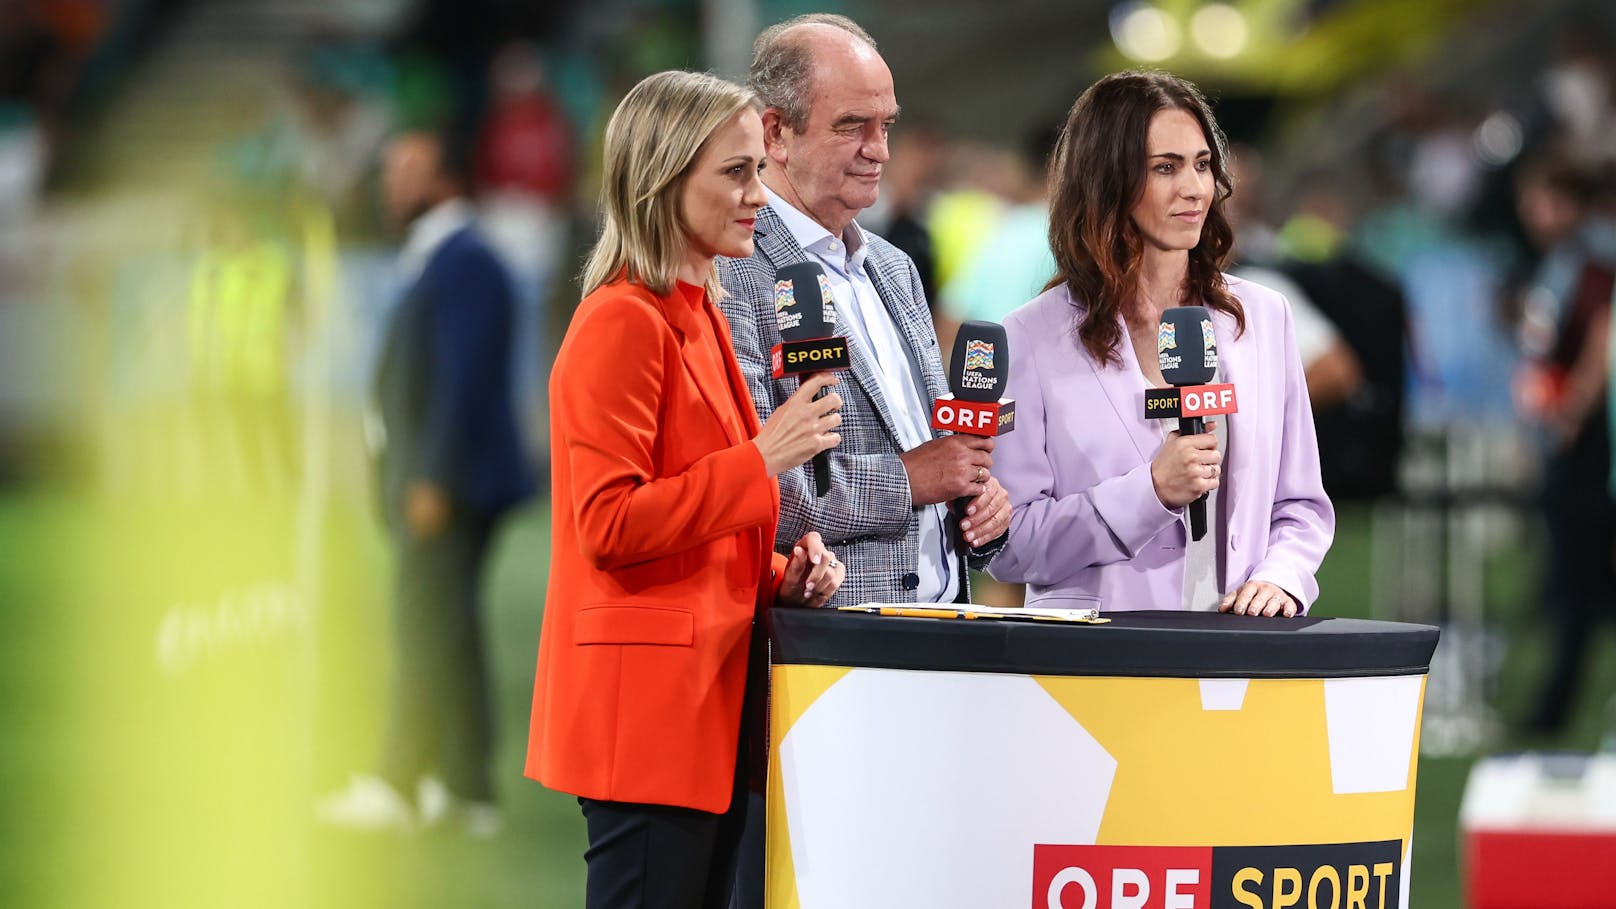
978,354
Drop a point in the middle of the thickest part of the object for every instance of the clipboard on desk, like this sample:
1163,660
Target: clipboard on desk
971,612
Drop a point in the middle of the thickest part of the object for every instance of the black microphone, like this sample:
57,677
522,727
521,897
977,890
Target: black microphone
1187,353
980,363
806,314
977,373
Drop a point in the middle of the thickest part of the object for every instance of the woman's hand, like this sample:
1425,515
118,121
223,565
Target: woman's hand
986,516
1258,598
801,427
1186,467
812,574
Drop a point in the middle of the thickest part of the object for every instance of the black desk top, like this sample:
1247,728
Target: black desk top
1160,644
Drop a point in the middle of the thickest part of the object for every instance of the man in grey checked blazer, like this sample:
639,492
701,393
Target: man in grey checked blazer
829,104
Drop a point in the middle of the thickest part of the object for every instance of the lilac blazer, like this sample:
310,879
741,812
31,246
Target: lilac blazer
1088,529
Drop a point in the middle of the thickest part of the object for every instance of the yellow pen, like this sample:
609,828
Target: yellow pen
921,612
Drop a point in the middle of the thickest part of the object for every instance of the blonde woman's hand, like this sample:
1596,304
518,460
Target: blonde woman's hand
813,573
801,427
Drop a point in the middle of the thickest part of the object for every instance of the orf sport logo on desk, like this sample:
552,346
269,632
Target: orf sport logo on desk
1326,876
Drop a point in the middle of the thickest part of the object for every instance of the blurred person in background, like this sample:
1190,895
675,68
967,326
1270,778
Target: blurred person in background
1358,393
650,692
1563,386
450,466
1332,369
1014,264
907,187
241,317
525,173
1099,491
979,184
335,125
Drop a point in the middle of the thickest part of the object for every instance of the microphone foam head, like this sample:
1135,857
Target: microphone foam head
1186,350
803,304
981,362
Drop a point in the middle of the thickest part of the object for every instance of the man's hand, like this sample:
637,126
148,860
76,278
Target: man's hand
953,467
426,509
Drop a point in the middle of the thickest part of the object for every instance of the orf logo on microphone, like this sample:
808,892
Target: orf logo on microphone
976,418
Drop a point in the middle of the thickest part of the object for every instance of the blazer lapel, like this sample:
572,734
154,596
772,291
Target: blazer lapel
713,385
1124,388
913,334
737,382
1234,367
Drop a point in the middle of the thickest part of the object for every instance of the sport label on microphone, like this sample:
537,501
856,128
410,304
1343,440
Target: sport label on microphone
1190,401
795,358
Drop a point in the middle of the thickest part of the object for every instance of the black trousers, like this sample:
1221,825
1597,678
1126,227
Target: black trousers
661,857
749,877
441,719
1579,588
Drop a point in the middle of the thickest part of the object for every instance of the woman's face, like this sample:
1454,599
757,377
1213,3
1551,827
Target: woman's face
722,194
1179,184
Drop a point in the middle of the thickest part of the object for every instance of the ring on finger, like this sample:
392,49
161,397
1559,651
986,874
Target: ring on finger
980,473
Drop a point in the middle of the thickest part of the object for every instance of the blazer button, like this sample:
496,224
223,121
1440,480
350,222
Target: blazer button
911,581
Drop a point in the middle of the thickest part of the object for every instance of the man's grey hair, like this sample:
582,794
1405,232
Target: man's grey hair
783,69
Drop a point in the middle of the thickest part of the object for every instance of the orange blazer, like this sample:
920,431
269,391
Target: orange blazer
662,551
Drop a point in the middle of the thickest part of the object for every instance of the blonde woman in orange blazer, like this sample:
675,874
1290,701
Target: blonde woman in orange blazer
665,501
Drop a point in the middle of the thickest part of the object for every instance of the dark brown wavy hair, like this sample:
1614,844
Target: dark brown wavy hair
1097,176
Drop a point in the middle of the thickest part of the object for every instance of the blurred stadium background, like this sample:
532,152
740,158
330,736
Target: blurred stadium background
194,275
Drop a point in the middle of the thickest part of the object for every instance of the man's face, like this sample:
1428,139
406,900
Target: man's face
409,175
1547,214
832,169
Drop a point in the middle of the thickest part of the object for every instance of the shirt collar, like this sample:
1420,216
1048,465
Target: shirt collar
847,251
429,231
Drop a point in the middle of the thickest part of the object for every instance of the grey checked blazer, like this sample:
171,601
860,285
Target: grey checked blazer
867,517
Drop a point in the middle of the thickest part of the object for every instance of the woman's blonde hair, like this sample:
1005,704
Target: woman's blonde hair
652,141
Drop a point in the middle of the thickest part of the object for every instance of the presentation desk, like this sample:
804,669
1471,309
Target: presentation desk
1166,760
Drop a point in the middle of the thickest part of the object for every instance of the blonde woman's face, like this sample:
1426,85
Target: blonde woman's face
722,195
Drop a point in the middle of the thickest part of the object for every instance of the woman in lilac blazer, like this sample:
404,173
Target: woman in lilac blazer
1098,491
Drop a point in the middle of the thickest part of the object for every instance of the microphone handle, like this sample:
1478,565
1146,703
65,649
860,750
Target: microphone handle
1194,426
821,465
